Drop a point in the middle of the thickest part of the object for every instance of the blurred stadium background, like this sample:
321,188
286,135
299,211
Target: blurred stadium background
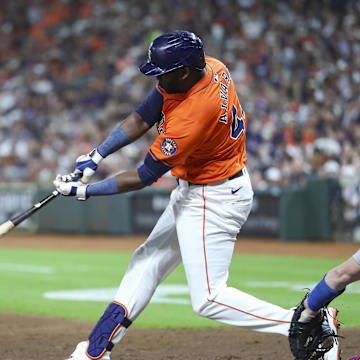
69,74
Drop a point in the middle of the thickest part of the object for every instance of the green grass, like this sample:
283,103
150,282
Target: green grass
25,275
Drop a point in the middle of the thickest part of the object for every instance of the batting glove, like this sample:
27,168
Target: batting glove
85,167
72,188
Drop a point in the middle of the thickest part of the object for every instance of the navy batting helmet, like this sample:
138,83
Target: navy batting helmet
172,51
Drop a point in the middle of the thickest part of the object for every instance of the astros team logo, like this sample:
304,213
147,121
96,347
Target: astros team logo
168,146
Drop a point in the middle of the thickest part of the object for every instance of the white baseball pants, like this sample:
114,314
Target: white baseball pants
199,228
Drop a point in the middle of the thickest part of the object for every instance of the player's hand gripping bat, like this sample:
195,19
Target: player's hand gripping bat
7,226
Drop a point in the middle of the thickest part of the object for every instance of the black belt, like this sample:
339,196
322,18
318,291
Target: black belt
238,174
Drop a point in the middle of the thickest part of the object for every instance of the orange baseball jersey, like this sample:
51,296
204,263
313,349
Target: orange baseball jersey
202,132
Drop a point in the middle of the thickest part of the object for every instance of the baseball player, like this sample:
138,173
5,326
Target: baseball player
327,289
201,139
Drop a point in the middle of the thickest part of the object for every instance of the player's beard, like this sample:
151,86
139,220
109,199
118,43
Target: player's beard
171,82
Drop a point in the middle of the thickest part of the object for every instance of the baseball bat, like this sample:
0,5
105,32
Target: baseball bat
7,226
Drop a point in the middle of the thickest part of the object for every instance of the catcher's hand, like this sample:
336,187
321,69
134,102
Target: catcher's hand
309,340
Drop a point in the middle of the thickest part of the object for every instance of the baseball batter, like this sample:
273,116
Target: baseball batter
201,140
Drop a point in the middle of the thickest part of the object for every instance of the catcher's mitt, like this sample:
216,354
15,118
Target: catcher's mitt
309,340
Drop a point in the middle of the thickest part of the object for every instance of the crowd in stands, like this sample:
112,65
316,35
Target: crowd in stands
69,74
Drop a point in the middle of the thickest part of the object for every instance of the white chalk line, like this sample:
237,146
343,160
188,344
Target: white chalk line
162,295
27,268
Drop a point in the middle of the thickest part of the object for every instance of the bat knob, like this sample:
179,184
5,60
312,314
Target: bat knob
6,227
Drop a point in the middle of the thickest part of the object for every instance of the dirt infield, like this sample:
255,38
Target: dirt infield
115,243
34,337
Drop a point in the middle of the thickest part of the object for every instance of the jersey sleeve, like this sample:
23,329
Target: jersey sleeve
151,170
150,110
183,135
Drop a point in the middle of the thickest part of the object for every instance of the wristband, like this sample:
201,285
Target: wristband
356,256
116,140
104,187
96,156
322,295
81,192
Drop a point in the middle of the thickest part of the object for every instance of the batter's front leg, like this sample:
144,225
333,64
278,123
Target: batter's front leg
151,263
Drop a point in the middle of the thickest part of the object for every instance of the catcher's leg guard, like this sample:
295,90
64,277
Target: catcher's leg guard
100,338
